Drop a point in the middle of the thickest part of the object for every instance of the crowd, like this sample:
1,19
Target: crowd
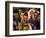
27,20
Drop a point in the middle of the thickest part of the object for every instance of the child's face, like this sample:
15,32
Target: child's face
20,11
25,28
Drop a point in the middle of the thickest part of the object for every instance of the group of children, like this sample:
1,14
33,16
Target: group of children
29,20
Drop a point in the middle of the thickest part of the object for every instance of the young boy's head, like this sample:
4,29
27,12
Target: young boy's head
21,10
25,27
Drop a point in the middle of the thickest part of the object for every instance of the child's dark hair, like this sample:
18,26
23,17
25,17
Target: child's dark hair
22,9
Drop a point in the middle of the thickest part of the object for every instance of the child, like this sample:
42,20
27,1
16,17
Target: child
25,27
